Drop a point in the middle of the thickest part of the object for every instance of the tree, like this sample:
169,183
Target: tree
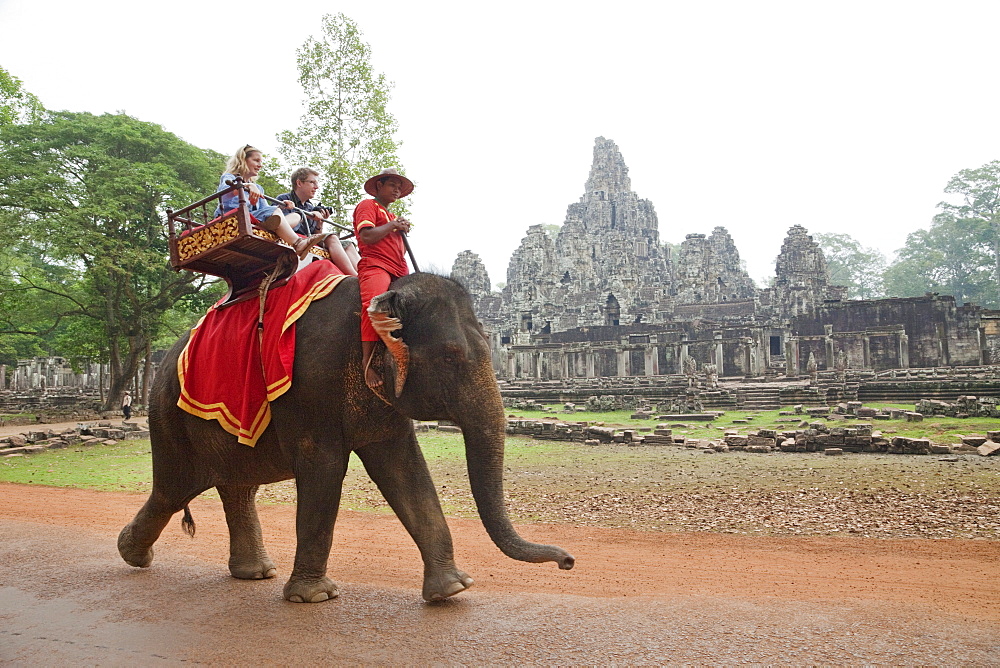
952,257
16,104
980,192
346,132
960,253
82,204
853,265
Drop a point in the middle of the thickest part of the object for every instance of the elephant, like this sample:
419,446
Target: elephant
436,365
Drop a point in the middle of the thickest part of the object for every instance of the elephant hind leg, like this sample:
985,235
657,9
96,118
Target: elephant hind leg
135,542
248,559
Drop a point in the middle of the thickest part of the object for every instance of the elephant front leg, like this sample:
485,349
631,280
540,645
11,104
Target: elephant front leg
401,474
318,489
248,559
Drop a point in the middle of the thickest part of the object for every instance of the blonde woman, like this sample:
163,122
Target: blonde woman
246,164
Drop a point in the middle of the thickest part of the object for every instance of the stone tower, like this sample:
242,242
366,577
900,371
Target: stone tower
709,270
605,267
802,281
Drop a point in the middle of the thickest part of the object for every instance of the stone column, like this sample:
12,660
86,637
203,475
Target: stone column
719,353
3,376
648,360
682,358
590,363
623,369
792,367
828,334
904,351
747,359
866,351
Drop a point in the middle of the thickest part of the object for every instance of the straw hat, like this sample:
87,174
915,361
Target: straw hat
389,171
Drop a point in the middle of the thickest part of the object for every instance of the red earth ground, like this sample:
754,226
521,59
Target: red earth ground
634,598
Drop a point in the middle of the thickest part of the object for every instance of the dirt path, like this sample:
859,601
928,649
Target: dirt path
634,598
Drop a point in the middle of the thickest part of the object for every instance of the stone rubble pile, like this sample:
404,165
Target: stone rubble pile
100,433
963,407
817,437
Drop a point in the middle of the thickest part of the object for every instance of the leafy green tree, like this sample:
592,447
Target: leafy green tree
853,265
952,257
980,194
16,104
346,133
82,208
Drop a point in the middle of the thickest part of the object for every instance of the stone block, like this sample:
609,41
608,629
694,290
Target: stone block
918,446
832,451
866,412
736,439
989,449
974,440
451,429
914,417
759,449
939,449
753,441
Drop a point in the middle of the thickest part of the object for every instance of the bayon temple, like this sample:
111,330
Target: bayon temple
607,299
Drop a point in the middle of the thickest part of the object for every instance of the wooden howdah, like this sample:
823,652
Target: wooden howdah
229,246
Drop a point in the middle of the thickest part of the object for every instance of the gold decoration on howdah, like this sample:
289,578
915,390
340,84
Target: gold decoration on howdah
207,237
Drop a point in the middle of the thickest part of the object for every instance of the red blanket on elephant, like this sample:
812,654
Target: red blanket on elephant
223,375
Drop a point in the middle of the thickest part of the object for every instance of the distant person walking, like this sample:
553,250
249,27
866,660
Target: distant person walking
127,406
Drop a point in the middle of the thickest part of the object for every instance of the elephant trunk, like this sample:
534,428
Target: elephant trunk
484,429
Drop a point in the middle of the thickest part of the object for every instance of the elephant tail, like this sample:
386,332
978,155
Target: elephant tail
187,522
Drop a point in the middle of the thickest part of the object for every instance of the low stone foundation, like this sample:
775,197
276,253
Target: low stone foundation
36,440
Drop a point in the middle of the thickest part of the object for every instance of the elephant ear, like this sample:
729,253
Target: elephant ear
386,324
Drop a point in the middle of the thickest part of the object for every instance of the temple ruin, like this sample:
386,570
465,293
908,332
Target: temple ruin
606,299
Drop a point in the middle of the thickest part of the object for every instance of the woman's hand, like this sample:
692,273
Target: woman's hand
254,191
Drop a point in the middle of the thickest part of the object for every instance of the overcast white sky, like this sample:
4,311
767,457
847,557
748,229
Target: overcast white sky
840,116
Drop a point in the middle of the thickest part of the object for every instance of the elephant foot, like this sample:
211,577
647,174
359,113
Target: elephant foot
310,591
253,570
440,586
132,555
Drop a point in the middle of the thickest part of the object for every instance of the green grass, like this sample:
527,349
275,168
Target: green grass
18,416
124,467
